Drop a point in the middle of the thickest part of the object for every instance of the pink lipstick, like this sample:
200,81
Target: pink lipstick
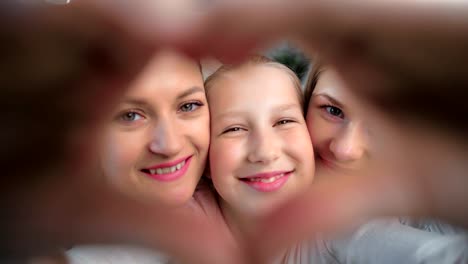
169,171
267,182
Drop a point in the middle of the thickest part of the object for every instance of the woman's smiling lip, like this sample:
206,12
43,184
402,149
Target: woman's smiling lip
267,181
169,164
169,171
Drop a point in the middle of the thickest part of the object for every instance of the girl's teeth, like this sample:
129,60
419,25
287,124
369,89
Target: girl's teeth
168,169
267,180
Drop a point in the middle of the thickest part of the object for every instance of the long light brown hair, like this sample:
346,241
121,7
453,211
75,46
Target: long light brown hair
257,60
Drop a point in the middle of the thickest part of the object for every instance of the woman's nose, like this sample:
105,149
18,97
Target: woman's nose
165,140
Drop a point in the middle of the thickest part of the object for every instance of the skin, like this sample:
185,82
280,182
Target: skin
385,53
254,131
376,157
162,118
338,127
60,198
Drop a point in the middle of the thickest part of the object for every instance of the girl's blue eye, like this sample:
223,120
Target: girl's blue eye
232,129
334,111
131,117
190,107
284,122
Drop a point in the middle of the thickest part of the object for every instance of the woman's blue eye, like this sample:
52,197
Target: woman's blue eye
334,111
189,107
131,117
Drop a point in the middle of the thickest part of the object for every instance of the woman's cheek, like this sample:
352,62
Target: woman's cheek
117,155
199,131
111,163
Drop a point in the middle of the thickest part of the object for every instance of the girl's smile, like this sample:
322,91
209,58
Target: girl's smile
267,181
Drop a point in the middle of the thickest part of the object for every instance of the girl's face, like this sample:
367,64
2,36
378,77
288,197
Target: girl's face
156,145
260,151
336,121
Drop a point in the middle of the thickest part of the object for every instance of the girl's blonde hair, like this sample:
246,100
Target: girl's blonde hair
257,60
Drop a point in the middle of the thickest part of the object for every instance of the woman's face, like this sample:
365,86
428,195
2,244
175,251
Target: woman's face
260,151
337,124
157,141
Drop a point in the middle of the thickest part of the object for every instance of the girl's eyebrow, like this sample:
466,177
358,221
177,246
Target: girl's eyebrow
280,108
330,98
286,107
229,115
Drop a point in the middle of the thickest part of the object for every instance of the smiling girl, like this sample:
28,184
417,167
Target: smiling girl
346,142
260,148
260,152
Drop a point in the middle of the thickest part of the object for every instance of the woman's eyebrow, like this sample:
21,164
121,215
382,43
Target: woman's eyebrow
195,89
135,101
330,98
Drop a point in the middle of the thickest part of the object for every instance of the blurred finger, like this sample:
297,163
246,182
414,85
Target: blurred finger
414,174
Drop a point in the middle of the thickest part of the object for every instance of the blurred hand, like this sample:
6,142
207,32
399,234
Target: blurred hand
62,70
407,60
399,55
418,172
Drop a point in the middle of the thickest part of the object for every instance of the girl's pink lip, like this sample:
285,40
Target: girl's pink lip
171,176
266,174
267,186
168,164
